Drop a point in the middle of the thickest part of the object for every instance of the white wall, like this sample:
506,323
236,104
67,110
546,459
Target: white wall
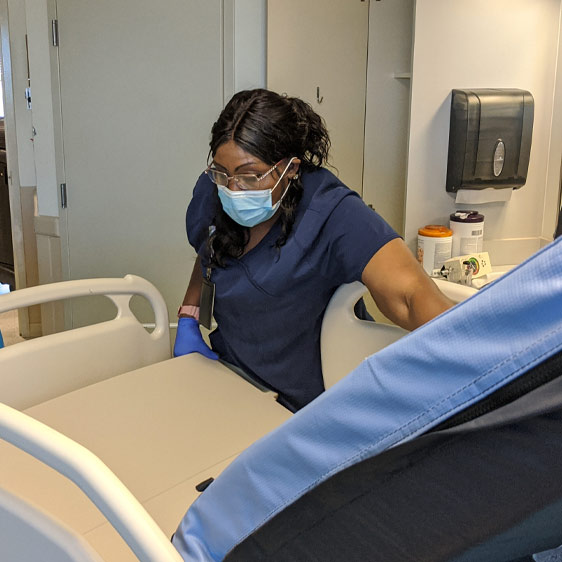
552,196
245,44
481,44
387,108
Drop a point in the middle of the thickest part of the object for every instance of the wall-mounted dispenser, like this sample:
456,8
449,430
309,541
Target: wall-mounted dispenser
489,143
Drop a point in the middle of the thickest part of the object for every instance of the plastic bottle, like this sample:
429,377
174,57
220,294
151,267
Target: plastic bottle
434,246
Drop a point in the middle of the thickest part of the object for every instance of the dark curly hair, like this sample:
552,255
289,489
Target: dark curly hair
270,127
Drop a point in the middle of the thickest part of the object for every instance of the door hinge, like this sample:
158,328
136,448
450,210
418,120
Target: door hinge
55,32
63,196
28,97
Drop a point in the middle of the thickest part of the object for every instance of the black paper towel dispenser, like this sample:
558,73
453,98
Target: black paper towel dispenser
489,138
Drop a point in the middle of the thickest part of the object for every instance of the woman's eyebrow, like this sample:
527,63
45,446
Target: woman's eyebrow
249,163
216,165
238,168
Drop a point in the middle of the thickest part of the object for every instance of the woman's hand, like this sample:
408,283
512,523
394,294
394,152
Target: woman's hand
190,340
188,336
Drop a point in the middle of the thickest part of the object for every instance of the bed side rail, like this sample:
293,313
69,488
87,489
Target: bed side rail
94,478
42,368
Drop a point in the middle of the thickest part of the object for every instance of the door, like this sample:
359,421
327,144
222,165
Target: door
317,50
140,86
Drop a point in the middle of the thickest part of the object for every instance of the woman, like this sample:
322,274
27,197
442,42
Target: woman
276,234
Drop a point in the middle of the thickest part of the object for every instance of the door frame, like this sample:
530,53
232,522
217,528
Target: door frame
14,188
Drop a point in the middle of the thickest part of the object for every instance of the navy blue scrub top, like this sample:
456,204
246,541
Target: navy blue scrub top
269,303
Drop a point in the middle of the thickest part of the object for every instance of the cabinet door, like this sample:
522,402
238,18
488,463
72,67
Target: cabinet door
317,50
141,85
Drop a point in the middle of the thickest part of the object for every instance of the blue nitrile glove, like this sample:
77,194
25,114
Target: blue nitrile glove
190,340
1,341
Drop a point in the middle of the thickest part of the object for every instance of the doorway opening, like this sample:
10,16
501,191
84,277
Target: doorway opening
7,276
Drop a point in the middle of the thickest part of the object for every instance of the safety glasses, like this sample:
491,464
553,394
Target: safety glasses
244,182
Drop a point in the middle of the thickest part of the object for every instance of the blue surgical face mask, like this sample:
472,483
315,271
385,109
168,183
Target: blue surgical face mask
251,207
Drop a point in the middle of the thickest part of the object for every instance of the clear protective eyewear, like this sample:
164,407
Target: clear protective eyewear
245,182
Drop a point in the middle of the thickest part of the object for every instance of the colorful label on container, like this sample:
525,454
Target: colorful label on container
433,252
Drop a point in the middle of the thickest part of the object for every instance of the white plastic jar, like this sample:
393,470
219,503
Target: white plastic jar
468,232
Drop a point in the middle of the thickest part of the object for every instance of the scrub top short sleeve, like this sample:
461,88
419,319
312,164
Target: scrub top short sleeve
353,234
269,304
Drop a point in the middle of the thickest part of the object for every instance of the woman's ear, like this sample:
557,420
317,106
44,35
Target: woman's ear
294,168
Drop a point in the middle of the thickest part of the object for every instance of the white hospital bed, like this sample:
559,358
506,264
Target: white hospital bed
105,436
